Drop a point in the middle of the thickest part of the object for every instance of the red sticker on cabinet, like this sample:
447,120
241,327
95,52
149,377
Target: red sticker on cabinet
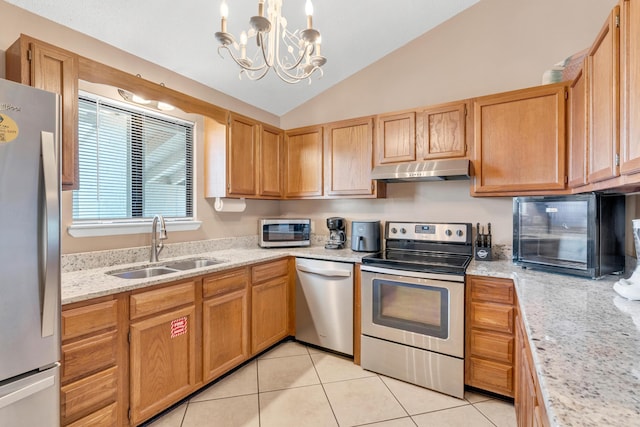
178,327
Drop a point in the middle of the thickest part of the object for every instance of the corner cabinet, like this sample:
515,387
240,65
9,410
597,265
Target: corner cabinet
44,66
162,348
442,131
348,159
519,142
630,86
577,131
303,163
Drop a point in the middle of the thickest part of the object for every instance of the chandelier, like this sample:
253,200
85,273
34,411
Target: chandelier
294,56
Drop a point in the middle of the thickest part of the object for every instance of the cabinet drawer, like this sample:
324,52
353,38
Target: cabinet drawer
224,283
89,355
260,273
158,300
89,319
105,417
491,345
492,316
82,397
491,376
490,289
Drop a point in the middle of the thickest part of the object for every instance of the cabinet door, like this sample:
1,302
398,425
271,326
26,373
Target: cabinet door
519,142
163,361
630,86
602,64
348,158
303,160
577,140
441,131
269,308
56,70
225,333
242,156
396,141
270,182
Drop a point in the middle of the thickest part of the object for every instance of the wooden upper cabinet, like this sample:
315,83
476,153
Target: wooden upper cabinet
519,142
630,86
270,161
577,128
242,156
603,61
303,162
441,131
38,64
348,158
396,139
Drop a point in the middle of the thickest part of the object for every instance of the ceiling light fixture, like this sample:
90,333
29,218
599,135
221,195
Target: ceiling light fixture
294,56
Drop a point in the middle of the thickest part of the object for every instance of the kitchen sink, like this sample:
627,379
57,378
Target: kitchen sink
189,264
142,273
166,268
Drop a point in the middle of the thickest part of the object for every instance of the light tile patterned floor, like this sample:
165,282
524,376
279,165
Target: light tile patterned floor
299,386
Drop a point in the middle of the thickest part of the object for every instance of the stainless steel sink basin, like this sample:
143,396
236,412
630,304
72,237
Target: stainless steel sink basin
142,273
189,264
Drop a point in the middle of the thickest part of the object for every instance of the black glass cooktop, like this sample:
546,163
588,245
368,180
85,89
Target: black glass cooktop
428,262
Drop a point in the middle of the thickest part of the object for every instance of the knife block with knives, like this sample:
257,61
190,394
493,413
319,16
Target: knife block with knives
482,245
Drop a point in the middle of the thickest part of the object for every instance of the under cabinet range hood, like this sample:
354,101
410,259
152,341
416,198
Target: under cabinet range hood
432,170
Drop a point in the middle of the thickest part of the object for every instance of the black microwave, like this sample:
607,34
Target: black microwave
581,235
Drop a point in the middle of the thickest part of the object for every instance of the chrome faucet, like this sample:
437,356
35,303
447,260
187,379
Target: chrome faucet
156,247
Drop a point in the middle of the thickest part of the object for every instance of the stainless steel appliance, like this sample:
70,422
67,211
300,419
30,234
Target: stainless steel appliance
324,304
365,236
413,305
337,236
29,257
284,232
581,235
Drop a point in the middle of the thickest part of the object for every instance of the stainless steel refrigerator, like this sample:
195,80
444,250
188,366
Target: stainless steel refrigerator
29,257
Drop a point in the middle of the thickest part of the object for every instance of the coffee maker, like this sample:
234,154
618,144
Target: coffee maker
337,236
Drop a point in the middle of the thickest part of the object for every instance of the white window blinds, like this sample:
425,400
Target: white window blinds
133,163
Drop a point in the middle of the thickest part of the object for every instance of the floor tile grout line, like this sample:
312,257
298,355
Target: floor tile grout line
483,414
394,396
313,363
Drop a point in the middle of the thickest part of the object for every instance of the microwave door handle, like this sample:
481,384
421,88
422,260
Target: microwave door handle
50,241
324,273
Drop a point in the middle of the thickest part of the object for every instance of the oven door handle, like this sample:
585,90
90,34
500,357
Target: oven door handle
325,273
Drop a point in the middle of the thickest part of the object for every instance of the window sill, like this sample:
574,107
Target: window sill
95,229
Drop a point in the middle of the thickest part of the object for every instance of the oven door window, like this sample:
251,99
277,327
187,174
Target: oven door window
421,309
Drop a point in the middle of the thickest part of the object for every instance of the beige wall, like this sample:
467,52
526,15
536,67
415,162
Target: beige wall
494,46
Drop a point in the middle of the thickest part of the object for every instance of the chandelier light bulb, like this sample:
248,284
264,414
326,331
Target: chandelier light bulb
224,12
308,8
260,7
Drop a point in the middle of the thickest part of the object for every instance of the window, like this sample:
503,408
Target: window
133,163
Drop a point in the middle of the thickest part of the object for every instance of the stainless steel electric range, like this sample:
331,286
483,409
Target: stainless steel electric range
413,304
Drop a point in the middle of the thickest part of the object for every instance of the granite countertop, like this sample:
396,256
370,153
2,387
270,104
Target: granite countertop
585,341
84,284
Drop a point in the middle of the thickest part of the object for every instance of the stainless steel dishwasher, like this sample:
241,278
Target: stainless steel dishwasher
324,304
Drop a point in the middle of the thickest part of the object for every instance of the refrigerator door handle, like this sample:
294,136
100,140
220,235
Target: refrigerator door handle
23,393
51,244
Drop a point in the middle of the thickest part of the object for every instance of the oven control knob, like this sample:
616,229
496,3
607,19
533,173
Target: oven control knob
394,230
448,232
403,230
459,233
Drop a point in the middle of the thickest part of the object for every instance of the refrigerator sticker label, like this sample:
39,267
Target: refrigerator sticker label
8,129
178,327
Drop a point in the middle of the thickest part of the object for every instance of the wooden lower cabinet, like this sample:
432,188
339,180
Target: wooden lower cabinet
269,304
489,358
225,322
162,352
94,365
530,409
